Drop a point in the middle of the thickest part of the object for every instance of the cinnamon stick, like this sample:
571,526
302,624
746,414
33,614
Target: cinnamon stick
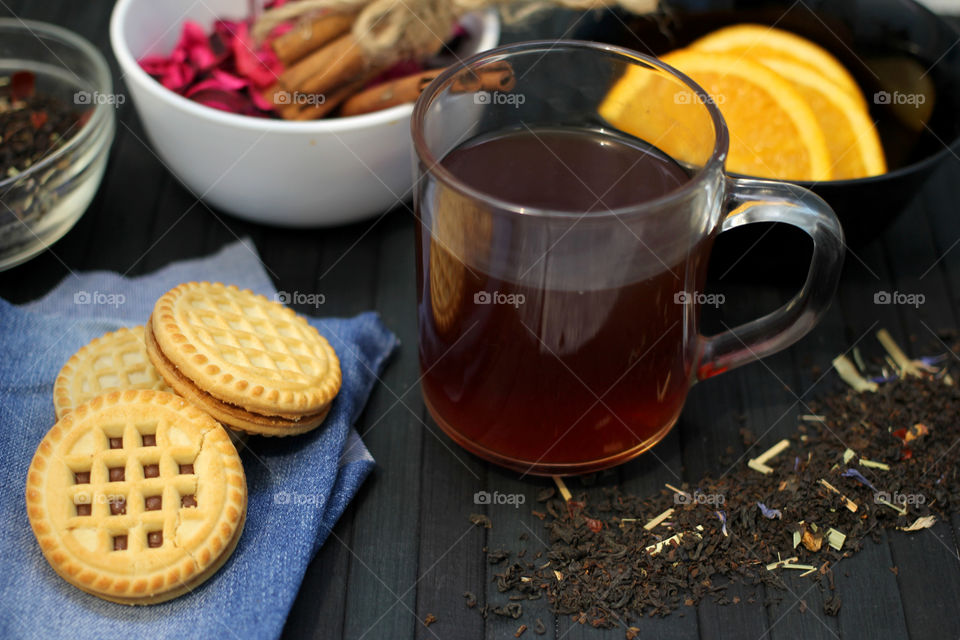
498,76
390,94
309,37
332,100
332,65
495,76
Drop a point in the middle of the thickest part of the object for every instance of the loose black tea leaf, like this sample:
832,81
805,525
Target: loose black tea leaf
481,520
512,610
497,556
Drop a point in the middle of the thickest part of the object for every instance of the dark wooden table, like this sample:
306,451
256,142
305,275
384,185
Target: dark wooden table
405,549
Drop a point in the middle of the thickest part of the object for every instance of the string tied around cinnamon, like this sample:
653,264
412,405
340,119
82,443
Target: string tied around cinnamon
391,30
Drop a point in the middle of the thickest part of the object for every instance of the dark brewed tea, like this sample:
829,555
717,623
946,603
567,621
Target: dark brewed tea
576,170
538,369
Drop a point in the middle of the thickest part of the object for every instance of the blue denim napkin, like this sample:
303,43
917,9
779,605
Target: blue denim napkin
298,487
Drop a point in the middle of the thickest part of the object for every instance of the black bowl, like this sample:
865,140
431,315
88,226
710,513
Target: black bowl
895,49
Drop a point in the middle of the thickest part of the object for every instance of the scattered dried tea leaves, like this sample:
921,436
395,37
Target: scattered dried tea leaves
849,477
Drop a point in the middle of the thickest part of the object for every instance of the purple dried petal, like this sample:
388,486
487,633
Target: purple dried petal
768,512
723,521
853,473
933,360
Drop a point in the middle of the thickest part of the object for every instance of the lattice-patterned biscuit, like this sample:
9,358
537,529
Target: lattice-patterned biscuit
115,361
136,496
246,350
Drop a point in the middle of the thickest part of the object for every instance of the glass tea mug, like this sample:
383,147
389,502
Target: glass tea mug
556,341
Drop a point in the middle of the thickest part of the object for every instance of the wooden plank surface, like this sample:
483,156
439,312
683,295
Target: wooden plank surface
405,549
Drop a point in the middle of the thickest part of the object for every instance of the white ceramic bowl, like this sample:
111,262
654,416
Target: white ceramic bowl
295,174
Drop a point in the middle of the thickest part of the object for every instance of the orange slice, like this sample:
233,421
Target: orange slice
660,109
773,131
855,150
760,43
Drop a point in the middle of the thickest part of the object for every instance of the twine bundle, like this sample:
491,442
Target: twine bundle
399,29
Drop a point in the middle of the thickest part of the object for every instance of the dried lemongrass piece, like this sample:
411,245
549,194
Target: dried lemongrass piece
858,359
904,364
562,488
880,499
871,464
851,376
782,563
759,463
652,524
848,503
654,549
677,491
835,538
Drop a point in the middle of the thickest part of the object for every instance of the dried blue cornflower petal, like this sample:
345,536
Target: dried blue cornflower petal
768,512
723,521
933,360
853,473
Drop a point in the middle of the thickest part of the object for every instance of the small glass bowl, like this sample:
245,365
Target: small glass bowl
41,204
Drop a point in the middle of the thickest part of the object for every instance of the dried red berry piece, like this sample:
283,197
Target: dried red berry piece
22,85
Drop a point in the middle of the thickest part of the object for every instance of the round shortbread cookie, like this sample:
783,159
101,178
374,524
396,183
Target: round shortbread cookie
136,496
246,350
228,415
112,362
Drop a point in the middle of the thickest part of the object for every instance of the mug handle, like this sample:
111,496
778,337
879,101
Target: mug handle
753,201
